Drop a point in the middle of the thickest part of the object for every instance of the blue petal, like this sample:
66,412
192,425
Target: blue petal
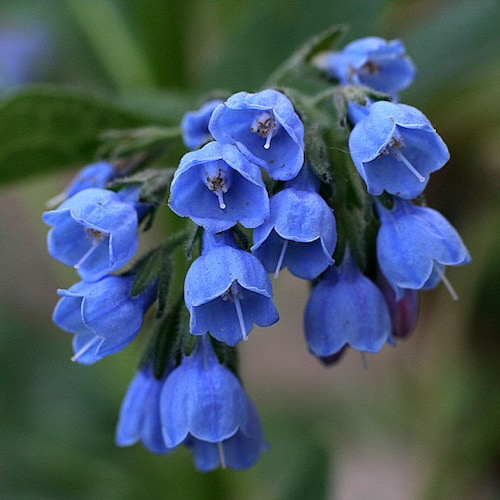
346,308
246,200
232,123
140,418
203,398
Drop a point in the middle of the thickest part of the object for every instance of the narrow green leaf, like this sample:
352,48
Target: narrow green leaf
44,129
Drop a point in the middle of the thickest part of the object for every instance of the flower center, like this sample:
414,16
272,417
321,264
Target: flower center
217,176
233,294
265,126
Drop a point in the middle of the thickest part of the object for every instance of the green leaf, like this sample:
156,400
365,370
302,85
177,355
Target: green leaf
44,128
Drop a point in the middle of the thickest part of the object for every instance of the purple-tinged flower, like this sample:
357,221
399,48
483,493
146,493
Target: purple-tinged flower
94,231
414,244
103,315
301,231
194,125
95,175
264,125
346,308
227,290
217,187
403,311
140,417
372,62
204,406
395,148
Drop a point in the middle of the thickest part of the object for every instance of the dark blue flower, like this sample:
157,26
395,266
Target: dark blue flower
140,417
372,62
395,148
204,406
194,125
103,315
94,231
217,187
95,175
227,290
346,308
301,231
414,244
266,125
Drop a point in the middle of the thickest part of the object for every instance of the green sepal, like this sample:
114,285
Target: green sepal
227,355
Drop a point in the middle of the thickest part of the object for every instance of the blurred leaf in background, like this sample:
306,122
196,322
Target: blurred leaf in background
420,422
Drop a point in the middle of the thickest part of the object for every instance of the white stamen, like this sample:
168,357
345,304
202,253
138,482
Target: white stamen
267,144
221,455
396,152
56,200
89,252
85,348
220,197
281,257
446,283
239,313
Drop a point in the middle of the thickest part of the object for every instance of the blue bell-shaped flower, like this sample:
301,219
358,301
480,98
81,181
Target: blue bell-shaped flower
194,125
140,417
227,290
203,400
264,125
414,244
94,231
371,62
301,231
217,187
346,308
395,148
103,315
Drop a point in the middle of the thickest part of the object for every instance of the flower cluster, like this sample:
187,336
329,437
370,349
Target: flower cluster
262,188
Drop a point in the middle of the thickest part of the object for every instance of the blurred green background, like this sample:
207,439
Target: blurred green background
420,422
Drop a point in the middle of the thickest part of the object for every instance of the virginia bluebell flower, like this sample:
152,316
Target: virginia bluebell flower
217,187
140,417
227,290
194,125
414,244
204,406
346,308
266,125
372,62
301,231
395,148
103,315
94,231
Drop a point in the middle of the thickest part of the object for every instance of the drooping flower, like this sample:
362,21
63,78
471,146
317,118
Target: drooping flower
264,125
346,308
94,231
194,125
140,417
227,290
372,62
204,406
301,231
217,187
414,244
395,148
103,315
